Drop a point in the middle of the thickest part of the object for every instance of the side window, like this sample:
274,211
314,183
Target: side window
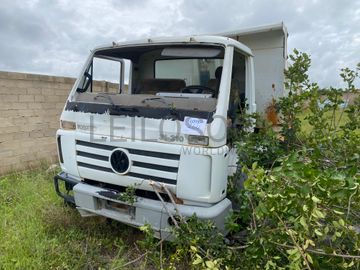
106,75
237,91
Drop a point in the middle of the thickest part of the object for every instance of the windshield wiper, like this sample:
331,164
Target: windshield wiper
171,106
160,99
105,96
115,108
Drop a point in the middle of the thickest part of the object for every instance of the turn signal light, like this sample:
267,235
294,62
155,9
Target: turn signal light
198,140
68,125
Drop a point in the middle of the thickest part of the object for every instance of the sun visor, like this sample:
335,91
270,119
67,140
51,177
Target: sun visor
191,52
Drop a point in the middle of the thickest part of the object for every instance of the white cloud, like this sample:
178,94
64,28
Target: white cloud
54,37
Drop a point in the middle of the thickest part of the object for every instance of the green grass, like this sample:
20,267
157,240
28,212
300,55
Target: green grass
37,231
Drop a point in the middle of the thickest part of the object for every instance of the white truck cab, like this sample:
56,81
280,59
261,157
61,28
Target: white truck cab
154,115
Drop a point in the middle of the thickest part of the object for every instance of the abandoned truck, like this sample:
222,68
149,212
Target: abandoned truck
152,117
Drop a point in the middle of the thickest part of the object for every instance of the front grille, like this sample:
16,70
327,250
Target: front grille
148,165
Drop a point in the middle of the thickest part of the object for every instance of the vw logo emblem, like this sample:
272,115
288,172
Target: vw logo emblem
120,162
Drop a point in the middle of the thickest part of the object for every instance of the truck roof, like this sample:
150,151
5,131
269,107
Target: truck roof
225,38
195,39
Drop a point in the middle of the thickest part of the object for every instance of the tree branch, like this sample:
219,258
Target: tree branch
295,243
321,252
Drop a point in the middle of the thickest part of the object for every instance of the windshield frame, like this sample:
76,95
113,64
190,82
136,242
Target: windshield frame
79,106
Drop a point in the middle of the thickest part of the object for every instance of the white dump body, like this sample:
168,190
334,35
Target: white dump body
269,47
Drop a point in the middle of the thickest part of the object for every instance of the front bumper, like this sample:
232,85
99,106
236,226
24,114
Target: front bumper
93,200
69,185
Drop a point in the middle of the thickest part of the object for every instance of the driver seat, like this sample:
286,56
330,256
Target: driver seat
215,83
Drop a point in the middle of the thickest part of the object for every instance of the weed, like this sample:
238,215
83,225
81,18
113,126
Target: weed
37,231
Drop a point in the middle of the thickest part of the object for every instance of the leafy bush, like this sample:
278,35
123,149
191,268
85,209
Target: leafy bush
262,146
303,216
304,212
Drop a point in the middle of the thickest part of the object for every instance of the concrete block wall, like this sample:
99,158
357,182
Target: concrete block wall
30,106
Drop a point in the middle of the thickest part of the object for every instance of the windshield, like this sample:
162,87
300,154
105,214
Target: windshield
177,79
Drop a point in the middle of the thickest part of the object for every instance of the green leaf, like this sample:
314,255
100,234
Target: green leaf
321,188
338,212
303,223
309,258
311,242
209,264
292,251
254,166
198,260
317,213
315,199
336,224
341,222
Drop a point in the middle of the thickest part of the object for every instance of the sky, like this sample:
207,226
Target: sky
55,36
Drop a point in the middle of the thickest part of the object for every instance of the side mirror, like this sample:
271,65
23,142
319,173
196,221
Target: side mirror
87,82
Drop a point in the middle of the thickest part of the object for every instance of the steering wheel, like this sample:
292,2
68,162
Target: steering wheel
197,89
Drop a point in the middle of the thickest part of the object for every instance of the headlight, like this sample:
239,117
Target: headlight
67,125
199,140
